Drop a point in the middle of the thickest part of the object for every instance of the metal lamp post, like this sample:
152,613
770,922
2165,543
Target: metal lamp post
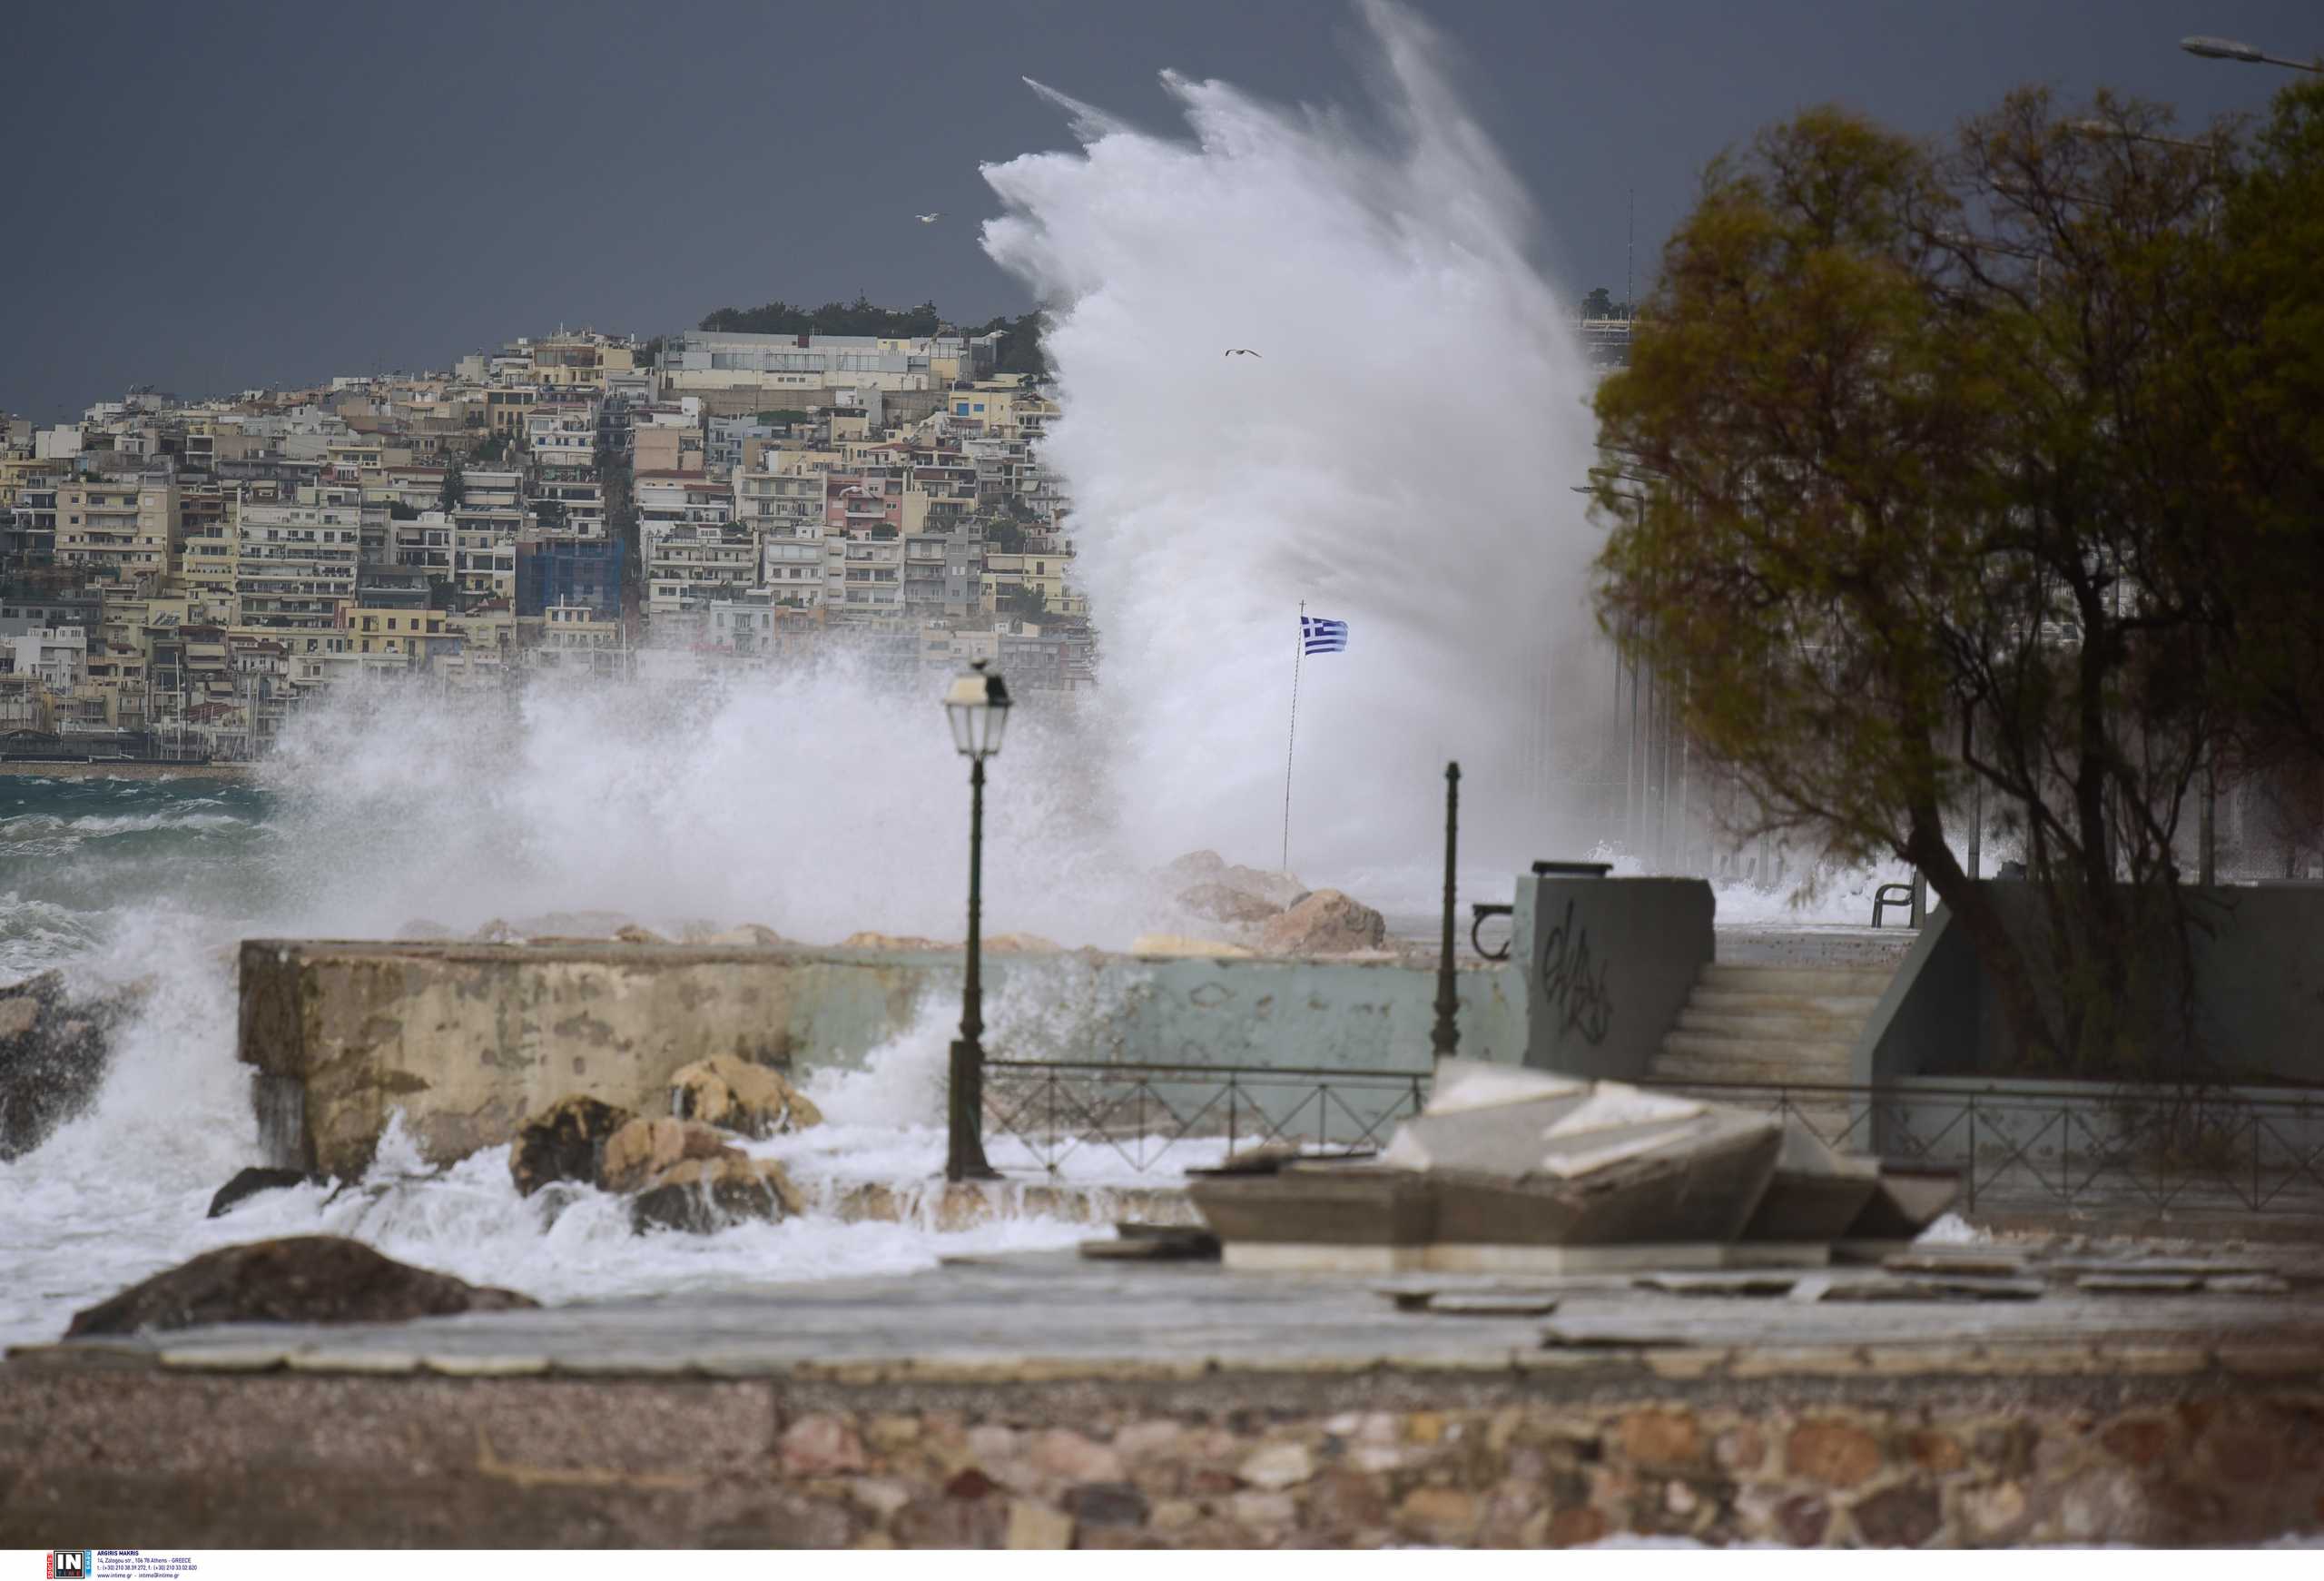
2236,50
1446,1038
978,706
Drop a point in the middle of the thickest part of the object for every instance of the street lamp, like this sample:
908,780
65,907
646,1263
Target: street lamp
2236,50
978,707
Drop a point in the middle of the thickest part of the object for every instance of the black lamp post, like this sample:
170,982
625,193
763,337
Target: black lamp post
978,706
1446,1039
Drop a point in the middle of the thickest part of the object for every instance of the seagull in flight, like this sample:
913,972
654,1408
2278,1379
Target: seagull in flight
1243,351
931,219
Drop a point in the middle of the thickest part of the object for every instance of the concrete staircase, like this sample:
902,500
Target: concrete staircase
1775,1026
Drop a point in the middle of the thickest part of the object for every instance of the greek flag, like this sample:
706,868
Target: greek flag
1316,636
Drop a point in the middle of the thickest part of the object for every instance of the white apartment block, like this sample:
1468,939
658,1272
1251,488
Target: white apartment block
689,564
793,568
713,359
119,528
563,436
295,562
57,657
780,502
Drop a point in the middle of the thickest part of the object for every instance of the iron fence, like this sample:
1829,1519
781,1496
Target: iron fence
2084,1149
2102,1150
1162,1116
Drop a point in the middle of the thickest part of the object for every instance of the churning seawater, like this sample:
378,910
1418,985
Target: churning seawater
1402,458
148,885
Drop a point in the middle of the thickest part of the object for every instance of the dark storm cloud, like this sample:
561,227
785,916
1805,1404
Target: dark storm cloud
207,197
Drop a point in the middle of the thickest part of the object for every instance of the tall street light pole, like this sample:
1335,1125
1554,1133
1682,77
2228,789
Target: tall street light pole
978,707
1446,1038
2236,50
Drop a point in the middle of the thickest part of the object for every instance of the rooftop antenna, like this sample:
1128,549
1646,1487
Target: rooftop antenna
1630,260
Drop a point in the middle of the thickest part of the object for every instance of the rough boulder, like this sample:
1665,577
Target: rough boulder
252,1182
53,1056
1325,923
305,1278
735,1095
1021,944
894,943
565,1142
644,1148
1218,903
1206,870
753,936
1180,944
702,1195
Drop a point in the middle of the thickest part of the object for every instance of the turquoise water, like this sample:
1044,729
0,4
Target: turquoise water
77,856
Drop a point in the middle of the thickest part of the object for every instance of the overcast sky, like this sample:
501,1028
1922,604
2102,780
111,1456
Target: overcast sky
209,196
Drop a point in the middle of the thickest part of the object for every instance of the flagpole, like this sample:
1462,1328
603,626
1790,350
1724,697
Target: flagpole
1298,652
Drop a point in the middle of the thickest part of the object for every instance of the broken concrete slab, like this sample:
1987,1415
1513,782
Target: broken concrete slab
2001,1263
1907,1200
1816,1194
2197,1266
1441,1257
1153,1243
1717,1284
1450,1305
1935,1288
2144,1284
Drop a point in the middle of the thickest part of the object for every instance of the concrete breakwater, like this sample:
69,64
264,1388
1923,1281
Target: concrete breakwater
466,1040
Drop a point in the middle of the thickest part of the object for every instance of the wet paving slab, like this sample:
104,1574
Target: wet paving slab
1058,1312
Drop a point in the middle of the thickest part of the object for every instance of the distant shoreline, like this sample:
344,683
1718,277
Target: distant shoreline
20,768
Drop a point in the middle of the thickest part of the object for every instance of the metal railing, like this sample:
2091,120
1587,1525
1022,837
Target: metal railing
2089,1149
2078,1148
1146,1114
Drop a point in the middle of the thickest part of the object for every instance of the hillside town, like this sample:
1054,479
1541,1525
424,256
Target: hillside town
179,576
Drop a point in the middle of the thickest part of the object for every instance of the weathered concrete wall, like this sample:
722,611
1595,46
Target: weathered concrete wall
1929,1018
2258,967
467,1038
1609,963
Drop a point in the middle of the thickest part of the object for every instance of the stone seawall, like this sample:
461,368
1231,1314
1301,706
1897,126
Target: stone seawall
466,1040
1856,1449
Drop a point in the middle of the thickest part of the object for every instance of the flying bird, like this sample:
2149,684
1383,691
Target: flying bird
931,219
1243,351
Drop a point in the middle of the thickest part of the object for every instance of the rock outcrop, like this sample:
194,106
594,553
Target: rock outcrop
703,1195
53,1051
565,1142
1220,903
754,935
1021,944
1195,867
250,1182
1327,923
735,1095
1175,945
1206,870
644,1148
894,943
304,1279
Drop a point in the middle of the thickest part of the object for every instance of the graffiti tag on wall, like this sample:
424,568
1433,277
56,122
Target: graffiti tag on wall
1576,992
